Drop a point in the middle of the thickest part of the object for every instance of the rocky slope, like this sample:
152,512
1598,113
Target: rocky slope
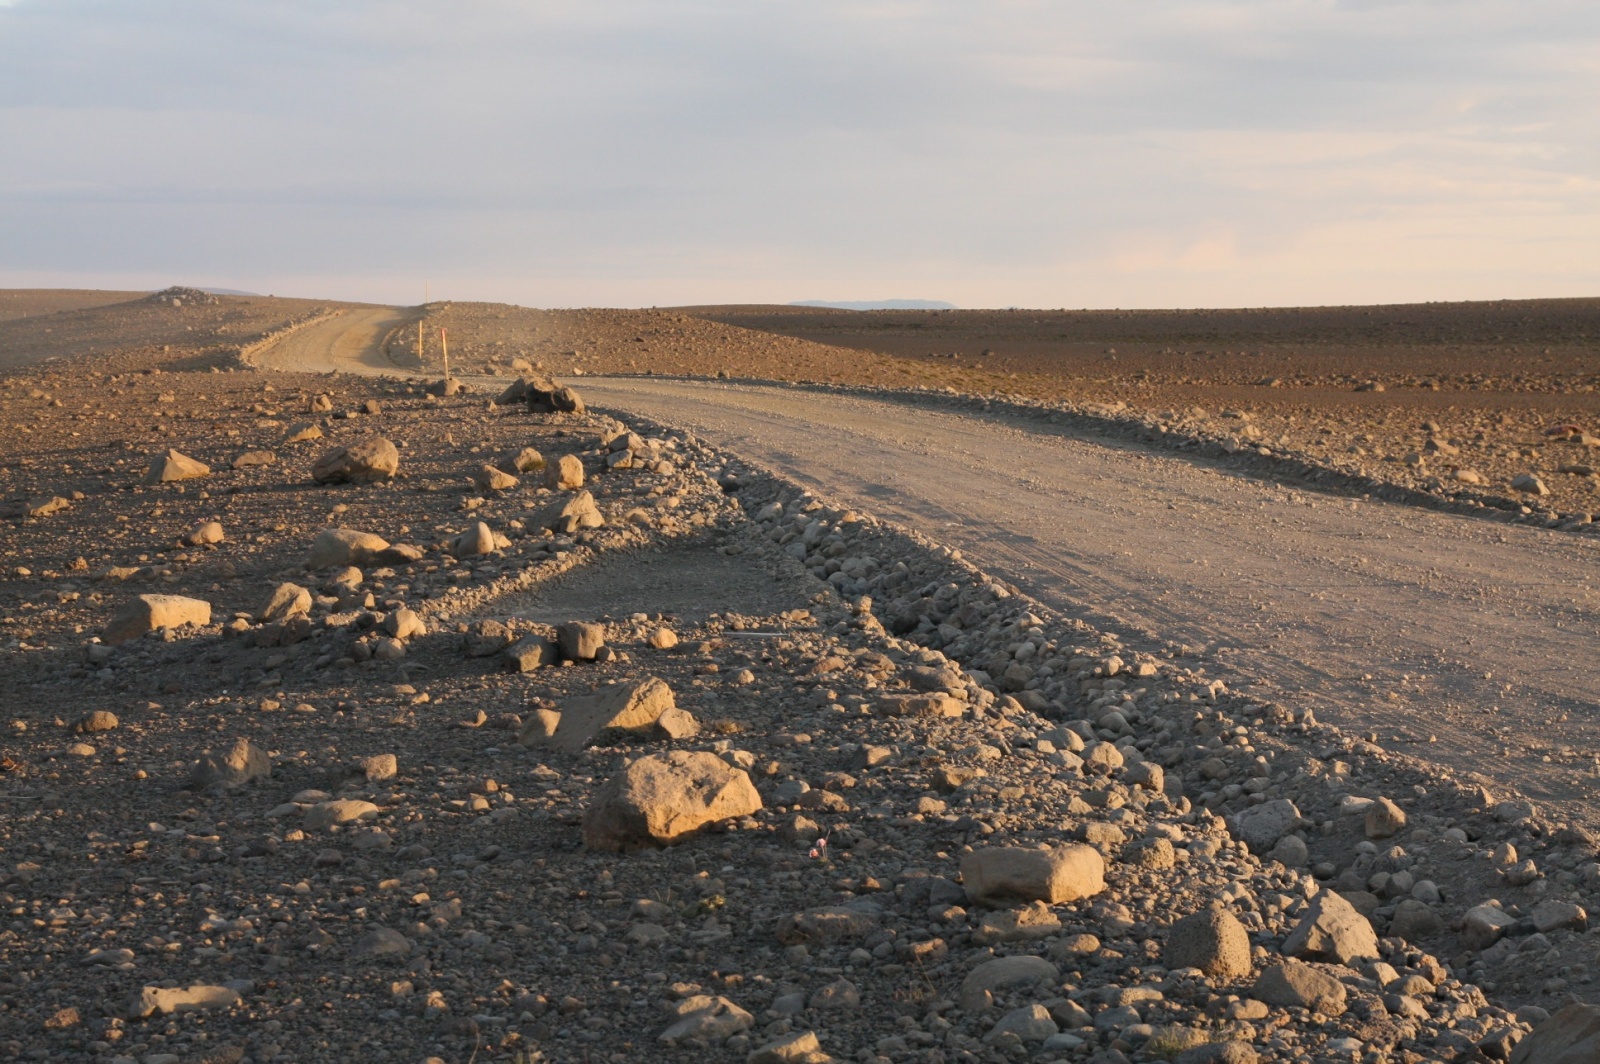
451,783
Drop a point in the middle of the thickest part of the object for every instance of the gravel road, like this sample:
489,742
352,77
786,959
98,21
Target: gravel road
350,341
1458,639
1466,641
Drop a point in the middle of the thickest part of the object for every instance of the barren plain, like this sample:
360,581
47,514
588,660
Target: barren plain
1138,690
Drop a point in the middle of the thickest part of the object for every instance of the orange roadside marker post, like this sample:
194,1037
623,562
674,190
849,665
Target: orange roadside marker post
444,345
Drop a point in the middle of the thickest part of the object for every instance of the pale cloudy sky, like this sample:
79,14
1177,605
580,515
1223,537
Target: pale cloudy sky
599,152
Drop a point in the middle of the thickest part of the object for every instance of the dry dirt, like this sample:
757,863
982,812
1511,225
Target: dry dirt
465,921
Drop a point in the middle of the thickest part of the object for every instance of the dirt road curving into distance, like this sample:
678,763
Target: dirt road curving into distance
1385,618
350,341
1469,642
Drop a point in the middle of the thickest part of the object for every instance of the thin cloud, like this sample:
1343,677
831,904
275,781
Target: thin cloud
644,152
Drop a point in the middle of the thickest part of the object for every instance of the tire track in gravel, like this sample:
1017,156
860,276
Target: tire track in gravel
1384,618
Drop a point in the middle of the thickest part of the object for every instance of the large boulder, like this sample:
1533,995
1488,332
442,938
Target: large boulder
628,706
1300,986
544,396
580,640
566,515
147,613
1212,940
1015,873
1332,930
1004,973
493,478
526,460
664,799
344,546
1571,1036
532,651
477,539
366,461
234,767
567,399
1262,826
175,466
287,600
565,473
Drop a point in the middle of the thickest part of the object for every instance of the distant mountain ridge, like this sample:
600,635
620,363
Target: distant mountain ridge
877,304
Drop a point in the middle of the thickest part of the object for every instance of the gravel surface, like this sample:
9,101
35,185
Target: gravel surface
799,784
1462,638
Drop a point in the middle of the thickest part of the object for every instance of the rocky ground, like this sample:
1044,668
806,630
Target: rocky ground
482,776
1458,401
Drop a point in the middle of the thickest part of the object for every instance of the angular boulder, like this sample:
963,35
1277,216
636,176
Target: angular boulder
626,706
174,466
1014,873
1332,930
1571,1036
580,640
491,478
1261,826
344,546
564,474
664,799
287,600
147,613
234,767
366,461
566,515
1300,986
531,652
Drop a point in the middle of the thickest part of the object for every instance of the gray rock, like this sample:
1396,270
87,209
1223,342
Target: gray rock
580,640
366,461
1212,940
531,652
1031,1023
148,613
1059,874
1571,1036
664,799
380,943
238,765
1332,930
1261,826
1004,973
1292,984
174,466
287,600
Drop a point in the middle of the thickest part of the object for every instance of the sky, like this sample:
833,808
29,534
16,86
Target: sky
667,152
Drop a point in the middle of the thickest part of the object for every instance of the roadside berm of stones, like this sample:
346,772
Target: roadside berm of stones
365,806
